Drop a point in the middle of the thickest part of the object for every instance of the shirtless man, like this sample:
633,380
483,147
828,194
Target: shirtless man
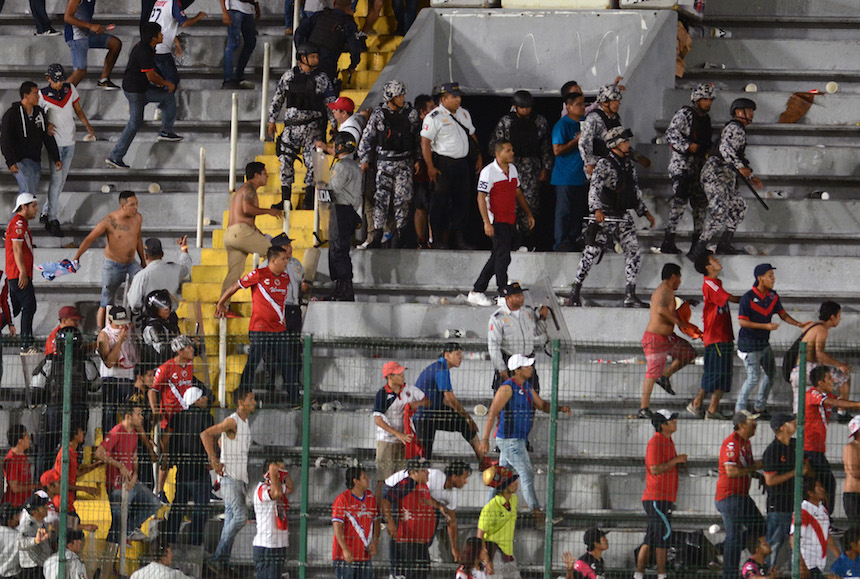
242,236
829,316
660,340
122,234
851,460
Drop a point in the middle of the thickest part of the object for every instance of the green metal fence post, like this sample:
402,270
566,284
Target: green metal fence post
550,493
798,455
306,457
64,480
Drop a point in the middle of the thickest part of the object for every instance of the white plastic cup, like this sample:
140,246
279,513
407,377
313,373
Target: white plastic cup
751,87
831,87
154,188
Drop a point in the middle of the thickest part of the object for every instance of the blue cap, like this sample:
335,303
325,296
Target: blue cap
762,269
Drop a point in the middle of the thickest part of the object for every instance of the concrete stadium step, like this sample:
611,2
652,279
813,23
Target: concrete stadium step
775,53
787,80
135,179
775,8
811,27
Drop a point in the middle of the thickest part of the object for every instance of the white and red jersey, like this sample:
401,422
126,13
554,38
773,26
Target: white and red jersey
18,231
357,516
171,381
501,190
814,531
268,297
272,529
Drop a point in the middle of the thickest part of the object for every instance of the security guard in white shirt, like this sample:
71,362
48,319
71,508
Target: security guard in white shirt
446,148
513,329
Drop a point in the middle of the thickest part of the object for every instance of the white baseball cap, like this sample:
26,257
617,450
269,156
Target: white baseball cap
24,199
518,361
853,426
192,395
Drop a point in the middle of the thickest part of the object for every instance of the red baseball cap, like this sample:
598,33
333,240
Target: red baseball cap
49,477
392,367
342,104
70,312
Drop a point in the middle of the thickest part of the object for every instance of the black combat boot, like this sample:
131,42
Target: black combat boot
335,294
308,201
285,199
348,294
724,247
669,246
574,299
698,248
630,299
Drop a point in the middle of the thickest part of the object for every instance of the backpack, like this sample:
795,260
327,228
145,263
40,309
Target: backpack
789,361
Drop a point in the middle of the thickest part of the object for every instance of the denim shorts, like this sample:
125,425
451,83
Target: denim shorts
80,47
113,275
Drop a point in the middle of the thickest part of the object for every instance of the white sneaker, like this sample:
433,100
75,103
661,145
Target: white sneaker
479,299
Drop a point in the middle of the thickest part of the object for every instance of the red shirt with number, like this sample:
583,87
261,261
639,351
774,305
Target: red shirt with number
171,381
268,294
716,314
16,467
660,487
817,419
18,231
358,516
736,451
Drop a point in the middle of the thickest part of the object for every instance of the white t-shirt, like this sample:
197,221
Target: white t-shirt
61,113
156,570
813,535
354,125
447,138
471,574
239,6
169,15
436,485
268,536
390,406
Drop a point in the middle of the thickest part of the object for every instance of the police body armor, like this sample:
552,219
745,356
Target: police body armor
524,136
395,141
302,92
599,146
715,150
701,132
330,30
623,196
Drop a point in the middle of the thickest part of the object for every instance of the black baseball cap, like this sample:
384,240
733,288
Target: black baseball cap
762,269
153,247
512,289
418,463
592,536
35,501
661,417
451,88
780,418
281,240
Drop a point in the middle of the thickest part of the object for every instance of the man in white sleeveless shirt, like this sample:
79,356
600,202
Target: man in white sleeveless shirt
235,434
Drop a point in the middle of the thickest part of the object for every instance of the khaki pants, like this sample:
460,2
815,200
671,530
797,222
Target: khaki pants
390,458
240,240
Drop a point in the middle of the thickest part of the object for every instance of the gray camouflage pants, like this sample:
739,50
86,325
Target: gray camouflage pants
528,170
626,234
297,140
687,189
726,208
393,185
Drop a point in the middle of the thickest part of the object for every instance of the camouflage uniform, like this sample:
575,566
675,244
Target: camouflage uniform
688,126
726,207
594,128
607,177
393,136
532,153
304,119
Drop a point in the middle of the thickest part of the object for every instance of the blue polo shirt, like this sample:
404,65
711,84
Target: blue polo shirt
845,567
759,308
434,381
515,419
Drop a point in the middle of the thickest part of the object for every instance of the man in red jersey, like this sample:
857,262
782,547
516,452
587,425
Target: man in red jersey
356,522
733,491
267,330
411,520
819,402
19,264
719,339
661,490
16,468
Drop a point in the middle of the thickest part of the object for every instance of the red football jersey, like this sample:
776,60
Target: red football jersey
357,516
716,314
660,487
18,231
737,451
817,419
171,381
268,294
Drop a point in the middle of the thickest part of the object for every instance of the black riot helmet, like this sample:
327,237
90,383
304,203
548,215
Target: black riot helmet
523,99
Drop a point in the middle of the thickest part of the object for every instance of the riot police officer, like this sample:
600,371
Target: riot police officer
614,190
392,132
689,134
592,144
333,31
529,133
303,91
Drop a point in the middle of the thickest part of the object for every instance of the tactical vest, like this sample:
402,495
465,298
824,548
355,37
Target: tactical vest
395,141
715,151
599,147
302,92
623,196
330,30
701,132
524,136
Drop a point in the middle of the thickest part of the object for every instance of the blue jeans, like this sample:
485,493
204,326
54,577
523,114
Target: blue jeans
571,206
137,102
166,66
755,362
405,12
81,47
288,13
113,275
23,302
269,563
778,526
58,181
244,25
40,15
29,172
740,516
235,516
354,570
192,483
142,504
513,454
